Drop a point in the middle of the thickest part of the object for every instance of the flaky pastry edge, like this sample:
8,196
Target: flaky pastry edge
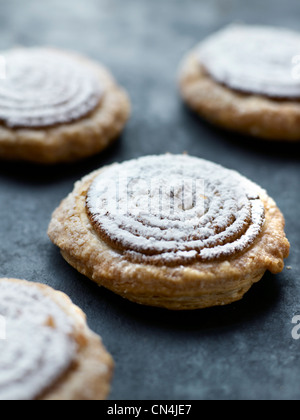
196,286
75,140
90,374
253,115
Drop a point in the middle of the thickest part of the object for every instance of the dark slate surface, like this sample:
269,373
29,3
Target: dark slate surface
243,351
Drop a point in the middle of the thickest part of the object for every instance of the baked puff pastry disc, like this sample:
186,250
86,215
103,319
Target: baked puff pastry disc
57,106
246,79
47,352
171,231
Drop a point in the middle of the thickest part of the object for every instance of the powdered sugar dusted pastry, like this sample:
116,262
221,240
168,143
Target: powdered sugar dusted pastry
171,231
246,78
57,106
47,351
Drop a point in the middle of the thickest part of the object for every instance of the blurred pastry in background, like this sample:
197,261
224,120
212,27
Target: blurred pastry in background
246,79
47,351
57,106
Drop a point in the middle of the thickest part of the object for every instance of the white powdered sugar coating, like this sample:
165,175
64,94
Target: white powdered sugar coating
254,59
38,347
43,88
171,210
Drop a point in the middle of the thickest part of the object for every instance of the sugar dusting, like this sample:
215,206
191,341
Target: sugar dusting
44,88
254,59
38,348
171,210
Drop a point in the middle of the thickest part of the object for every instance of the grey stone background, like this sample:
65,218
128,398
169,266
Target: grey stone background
243,351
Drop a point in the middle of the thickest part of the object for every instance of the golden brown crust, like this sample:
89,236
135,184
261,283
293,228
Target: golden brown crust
198,285
91,372
248,114
76,140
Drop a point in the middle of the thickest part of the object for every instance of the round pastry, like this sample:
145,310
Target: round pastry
47,351
246,79
57,106
171,231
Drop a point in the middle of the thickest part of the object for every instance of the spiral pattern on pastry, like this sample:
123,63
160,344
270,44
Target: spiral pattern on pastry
44,88
254,59
175,210
38,347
